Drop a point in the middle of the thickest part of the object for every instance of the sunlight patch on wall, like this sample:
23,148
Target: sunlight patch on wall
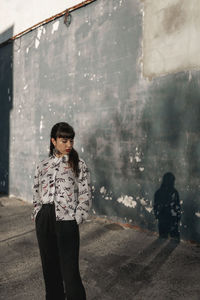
171,36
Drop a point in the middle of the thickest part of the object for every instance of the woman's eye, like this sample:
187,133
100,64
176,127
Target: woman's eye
65,141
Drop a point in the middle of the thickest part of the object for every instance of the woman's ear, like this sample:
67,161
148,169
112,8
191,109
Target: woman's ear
53,141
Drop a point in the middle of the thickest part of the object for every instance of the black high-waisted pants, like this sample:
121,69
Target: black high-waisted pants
59,250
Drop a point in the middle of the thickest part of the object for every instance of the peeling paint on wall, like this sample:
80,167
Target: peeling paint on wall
55,26
128,201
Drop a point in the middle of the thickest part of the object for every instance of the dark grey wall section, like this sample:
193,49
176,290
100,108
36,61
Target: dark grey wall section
130,131
6,91
171,123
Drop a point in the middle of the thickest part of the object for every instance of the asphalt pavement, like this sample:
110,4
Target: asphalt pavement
116,262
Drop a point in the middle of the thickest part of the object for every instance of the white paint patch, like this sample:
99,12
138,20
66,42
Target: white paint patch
55,27
149,209
93,77
25,87
41,126
143,202
82,149
37,42
131,159
12,196
141,169
108,198
79,53
197,214
44,30
27,50
128,201
103,190
19,109
39,32
137,156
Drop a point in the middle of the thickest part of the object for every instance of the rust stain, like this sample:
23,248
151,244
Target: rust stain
138,228
65,12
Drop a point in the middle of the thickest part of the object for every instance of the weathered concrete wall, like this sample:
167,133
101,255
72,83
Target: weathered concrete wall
129,130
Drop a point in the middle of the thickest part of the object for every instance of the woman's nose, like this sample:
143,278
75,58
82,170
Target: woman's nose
69,144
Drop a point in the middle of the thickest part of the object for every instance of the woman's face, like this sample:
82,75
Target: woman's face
63,145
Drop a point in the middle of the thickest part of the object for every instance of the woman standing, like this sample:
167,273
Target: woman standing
62,200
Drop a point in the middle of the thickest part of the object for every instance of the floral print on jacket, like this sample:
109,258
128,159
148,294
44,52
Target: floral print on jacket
55,182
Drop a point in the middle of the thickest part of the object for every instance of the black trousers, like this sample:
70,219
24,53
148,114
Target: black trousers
59,250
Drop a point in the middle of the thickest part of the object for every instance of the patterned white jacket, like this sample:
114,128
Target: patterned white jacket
55,182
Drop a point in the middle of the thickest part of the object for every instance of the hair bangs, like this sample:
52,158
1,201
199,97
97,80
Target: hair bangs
65,135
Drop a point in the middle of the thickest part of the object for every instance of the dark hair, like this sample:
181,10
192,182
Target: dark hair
64,130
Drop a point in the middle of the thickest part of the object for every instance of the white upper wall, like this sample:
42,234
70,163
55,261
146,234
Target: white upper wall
171,36
18,15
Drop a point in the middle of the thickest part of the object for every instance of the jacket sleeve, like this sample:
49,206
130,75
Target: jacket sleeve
84,194
37,204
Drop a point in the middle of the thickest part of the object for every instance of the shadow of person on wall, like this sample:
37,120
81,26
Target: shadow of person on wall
167,208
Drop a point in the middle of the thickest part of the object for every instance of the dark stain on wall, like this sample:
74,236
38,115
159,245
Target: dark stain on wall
173,112
174,18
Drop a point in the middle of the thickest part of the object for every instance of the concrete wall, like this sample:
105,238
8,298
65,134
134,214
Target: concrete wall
130,130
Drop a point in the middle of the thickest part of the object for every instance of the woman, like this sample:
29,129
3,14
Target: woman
62,200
